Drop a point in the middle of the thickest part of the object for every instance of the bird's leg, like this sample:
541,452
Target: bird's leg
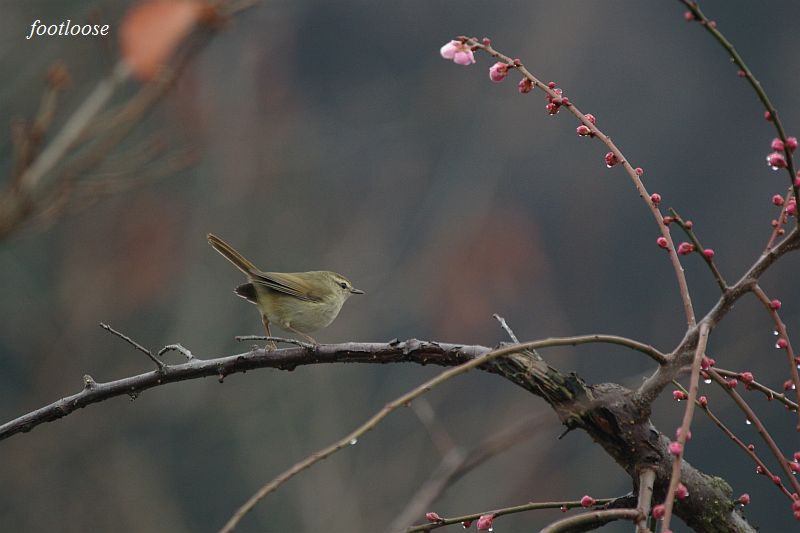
270,344
308,337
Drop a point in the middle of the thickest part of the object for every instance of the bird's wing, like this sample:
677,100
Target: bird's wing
287,284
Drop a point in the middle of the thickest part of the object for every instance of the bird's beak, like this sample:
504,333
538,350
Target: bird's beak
356,291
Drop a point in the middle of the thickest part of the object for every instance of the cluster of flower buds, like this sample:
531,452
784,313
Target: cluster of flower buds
556,100
776,159
585,131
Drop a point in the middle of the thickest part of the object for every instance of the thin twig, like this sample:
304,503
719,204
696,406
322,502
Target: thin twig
532,506
455,464
780,327
592,518
306,345
698,248
747,449
688,414
505,326
73,128
177,348
647,478
762,430
159,363
373,421
440,437
737,60
771,394
635,178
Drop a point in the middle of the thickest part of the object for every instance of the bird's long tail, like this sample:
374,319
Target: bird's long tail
227,251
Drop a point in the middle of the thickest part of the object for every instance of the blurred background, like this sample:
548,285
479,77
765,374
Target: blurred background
331,135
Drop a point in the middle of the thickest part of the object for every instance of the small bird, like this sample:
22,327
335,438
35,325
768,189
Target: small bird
300,302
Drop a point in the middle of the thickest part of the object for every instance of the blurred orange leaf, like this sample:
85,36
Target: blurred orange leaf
152,29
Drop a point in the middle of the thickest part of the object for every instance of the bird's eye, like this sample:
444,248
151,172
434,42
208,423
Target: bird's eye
343,285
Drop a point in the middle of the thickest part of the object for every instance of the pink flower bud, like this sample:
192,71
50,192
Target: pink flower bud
707,362
776,160
744,499
552,108
795,467
776,479
689,224
551,84
703,401
662,243
564,508
791,143
583,130
782,343
587,501
681,492
688,16
525,86
775,304
712,23
788,385
678,434
655,198
797,456
498,72
777,200
741,73
791,207
685,248
767,116
611,159
777,145
458,52
466,524
639,171
658,511
667,220
675,448
485,522
708,253
678,395
590,118
746,377
433,517
732,383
